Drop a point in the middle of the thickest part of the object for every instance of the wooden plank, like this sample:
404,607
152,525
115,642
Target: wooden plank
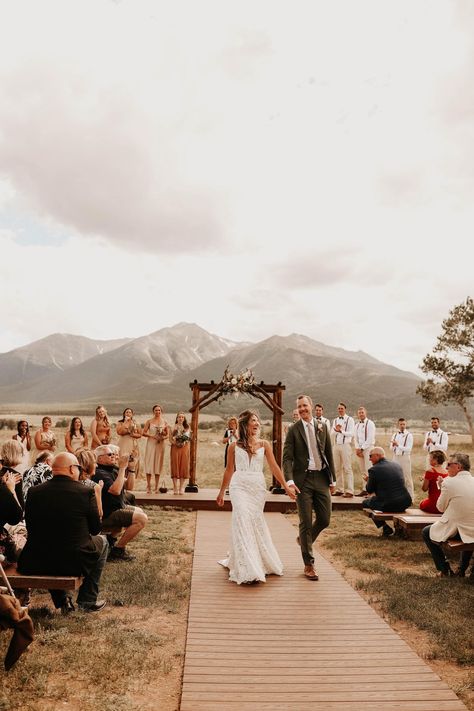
205,500
41,582
293,644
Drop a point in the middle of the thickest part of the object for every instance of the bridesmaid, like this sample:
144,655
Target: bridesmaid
157,431
180,438
45,440
129,433
76,438
100,428
24,438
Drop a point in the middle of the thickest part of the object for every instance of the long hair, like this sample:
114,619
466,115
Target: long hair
106,419
123,414
72,429
243,421
185,422
20,422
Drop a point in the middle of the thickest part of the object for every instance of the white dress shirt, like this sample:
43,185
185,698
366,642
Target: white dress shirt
404,443
364,434
347,425
439,441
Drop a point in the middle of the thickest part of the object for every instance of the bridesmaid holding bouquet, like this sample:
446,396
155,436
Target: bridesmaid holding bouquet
180,438
156,430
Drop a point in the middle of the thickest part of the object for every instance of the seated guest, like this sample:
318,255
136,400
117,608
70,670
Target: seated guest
430,482
63,521
11,512
456,503
39,473
11,455
386,481
118,513
88,464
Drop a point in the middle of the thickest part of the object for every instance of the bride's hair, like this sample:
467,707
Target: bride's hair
244,418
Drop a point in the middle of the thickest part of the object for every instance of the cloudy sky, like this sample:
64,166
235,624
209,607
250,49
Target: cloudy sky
254,167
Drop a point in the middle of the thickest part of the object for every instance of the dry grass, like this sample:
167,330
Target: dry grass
130,655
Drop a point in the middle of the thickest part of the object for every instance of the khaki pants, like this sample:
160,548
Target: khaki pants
364,465
343,464
314,495
404,460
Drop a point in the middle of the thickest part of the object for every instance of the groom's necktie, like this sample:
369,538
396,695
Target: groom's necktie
318,465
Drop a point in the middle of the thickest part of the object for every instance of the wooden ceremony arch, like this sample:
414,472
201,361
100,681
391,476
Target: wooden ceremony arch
270,395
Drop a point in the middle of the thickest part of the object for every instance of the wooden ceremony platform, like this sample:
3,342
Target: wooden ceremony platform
205,500
292,644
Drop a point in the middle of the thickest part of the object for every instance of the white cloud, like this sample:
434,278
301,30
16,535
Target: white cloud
205,160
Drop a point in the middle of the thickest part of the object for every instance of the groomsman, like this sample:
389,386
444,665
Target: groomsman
364,440
318,413
342,431
402,444
436,439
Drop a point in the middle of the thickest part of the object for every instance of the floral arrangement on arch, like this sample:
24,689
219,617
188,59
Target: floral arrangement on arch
243,382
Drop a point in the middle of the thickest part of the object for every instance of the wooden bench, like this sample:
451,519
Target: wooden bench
41,582
389,515
405,524
457,546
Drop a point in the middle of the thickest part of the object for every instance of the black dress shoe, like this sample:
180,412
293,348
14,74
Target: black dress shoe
97,607
68,606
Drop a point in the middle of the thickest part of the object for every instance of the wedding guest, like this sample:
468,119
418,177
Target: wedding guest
88,464
180,437
76,438
39,473
118,513
364,440
11,512
24,438
100,428
430,481
45,439
385,481
156,430
11,455
401,444
230,435
63,525
456,503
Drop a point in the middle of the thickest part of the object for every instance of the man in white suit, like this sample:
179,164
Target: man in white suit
456,503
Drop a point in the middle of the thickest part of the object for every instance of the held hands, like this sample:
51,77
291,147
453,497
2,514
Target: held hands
332,488
292,491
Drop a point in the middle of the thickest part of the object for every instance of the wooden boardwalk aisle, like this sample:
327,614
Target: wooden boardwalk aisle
292,644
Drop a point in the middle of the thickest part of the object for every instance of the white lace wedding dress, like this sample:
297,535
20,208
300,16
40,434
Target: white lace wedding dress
252,554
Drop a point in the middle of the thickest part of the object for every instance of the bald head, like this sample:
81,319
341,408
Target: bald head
65,464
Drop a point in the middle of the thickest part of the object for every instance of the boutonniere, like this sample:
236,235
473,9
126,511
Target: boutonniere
320,427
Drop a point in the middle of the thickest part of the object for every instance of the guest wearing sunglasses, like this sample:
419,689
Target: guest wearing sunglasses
118,513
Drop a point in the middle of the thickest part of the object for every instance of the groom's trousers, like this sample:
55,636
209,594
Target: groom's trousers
314,496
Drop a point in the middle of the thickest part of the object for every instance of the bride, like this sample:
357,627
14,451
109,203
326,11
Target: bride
252,553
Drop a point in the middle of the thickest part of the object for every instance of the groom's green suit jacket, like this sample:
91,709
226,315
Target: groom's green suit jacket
296,453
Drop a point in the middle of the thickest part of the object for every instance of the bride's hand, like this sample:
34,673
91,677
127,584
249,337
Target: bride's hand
220,498
292,491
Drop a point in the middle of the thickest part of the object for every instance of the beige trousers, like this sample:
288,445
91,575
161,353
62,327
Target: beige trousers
404,460
343,464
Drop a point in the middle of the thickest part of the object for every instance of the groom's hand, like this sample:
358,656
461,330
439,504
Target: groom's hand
293,491
332,488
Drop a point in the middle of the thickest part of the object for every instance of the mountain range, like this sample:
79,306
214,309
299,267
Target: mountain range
79,372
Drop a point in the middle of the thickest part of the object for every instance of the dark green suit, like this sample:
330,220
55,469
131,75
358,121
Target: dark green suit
313,486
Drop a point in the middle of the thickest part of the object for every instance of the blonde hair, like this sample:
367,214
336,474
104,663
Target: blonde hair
11,453
87,460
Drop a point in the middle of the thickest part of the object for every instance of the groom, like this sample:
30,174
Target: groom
308,467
